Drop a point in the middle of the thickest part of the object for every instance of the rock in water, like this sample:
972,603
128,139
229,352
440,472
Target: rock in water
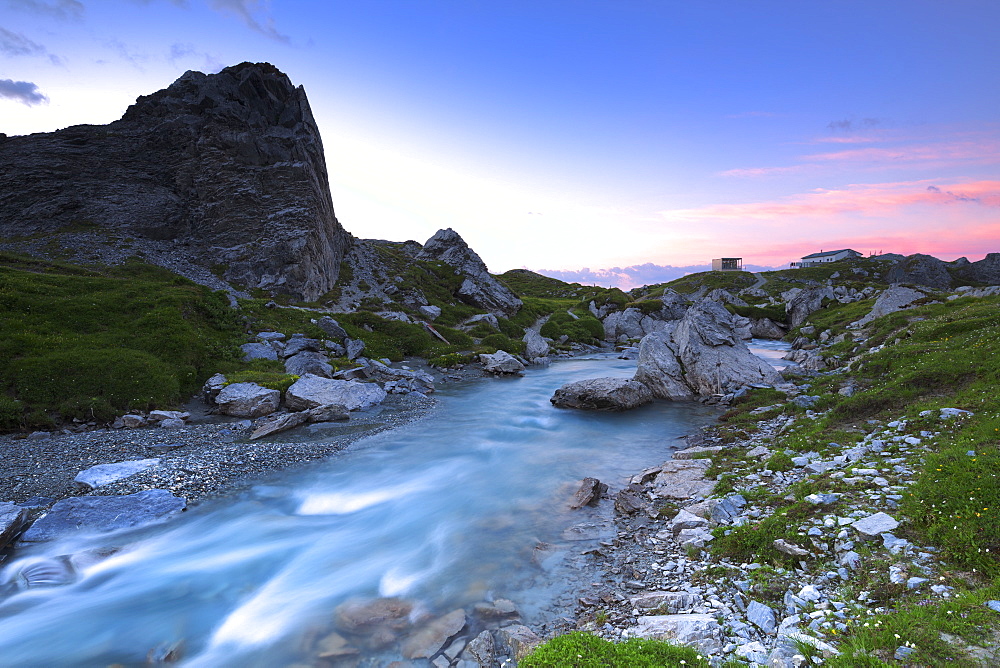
701,355
479,288
231,164
103,513
602,394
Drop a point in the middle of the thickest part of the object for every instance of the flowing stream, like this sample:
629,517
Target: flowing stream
445,512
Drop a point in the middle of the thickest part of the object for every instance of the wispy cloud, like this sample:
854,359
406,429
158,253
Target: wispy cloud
186,52
24,92
71,10
16,44
255,14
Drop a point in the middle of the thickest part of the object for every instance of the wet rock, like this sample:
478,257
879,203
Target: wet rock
612,394
335,646
102,474
311,391
481,650
628,501
359,615
247,400
103,513
498,610
589,493
429,640
12,520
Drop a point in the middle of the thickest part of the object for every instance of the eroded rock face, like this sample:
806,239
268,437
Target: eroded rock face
479,288
701,355
894,299
986,270
802,303
229,164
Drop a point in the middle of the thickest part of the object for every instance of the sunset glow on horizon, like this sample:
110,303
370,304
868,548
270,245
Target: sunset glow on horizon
565,135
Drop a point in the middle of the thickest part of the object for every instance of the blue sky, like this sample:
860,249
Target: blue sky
562,135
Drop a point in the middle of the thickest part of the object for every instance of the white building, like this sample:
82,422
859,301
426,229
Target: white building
816,259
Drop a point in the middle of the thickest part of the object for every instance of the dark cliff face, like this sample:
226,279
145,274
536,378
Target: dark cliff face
230,163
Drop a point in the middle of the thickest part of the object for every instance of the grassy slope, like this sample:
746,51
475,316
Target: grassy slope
84,343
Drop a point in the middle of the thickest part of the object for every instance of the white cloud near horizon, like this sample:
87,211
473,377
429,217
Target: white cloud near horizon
24,92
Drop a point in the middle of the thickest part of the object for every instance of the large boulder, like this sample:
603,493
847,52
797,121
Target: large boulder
12,519
478,287
501,363
603,394
229,164
99,514
702,355
921,269
632,323
800,303
896,298
765,328
247,400
536,346
308,361
311,391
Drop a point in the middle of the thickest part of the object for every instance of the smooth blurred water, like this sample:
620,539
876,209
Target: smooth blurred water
445,512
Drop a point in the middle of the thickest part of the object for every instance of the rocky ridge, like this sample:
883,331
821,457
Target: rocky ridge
229,165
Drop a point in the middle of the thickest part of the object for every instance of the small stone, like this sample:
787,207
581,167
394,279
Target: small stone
873,525
761,616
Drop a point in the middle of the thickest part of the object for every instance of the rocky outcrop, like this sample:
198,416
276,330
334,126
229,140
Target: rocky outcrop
701,355
894,299
921,269
228,165
985,271
478,288
602,394
800,303
634,323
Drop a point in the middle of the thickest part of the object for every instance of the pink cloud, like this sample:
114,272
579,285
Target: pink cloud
905,217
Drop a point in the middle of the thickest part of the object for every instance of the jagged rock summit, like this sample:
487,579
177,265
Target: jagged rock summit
230,165
479,287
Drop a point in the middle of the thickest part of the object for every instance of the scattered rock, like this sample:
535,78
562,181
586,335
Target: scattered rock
589,493
102,474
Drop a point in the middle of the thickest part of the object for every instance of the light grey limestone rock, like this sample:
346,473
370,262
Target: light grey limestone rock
682,480
247,400
517,640
328,413
501,363
311,391
871,526
102,474
896,298
430,312
762,617
801,304
696,630
611,394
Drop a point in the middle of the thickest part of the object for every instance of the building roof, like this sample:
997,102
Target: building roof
824,254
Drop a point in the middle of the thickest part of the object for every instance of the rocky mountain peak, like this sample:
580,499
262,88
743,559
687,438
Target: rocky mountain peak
229,164
479,287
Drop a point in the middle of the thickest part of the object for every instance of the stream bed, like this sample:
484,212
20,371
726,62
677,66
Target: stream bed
444,513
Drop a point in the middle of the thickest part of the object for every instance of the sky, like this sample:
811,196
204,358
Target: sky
614,141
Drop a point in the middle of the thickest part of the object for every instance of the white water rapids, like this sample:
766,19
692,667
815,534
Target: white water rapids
444,512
